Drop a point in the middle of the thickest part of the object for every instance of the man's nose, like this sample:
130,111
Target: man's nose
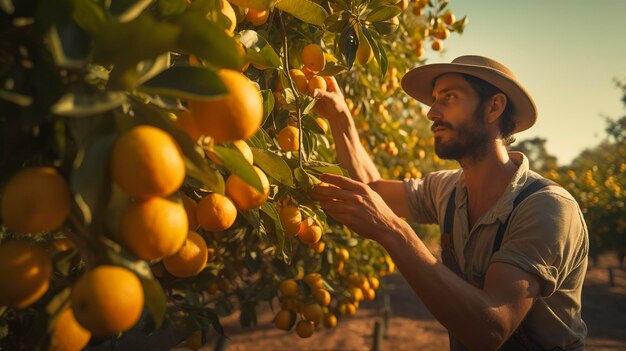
433,113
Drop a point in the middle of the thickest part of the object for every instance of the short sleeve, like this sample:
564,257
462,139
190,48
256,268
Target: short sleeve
546,236
425,196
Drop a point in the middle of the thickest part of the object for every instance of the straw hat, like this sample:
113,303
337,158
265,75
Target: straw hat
419,83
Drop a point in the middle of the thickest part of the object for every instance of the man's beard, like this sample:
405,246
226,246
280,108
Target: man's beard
471,138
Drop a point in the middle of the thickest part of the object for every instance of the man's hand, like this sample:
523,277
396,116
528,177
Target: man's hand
357,206
331,104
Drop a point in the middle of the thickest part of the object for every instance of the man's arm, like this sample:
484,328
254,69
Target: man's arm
350,153
480,319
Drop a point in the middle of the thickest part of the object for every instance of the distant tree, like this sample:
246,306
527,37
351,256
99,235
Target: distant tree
540,159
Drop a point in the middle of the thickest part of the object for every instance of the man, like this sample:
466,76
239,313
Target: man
515,290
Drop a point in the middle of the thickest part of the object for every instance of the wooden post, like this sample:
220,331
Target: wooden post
611,277
386,312
378,336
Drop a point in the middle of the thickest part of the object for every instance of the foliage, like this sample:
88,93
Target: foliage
76,74
596,179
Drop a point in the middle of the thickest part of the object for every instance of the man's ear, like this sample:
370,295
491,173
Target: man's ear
496,106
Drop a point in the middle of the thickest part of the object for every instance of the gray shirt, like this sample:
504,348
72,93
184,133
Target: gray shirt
546,236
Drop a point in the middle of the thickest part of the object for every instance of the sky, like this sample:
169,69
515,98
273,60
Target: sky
566,53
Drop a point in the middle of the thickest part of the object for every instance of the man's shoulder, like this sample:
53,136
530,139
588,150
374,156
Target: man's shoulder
551,189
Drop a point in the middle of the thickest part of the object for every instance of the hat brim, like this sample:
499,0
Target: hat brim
419,83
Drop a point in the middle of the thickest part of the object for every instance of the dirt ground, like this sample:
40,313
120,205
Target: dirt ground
412,327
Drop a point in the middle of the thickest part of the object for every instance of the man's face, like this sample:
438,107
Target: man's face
459,124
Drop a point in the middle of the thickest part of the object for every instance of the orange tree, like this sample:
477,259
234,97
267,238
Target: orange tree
156,157
596,179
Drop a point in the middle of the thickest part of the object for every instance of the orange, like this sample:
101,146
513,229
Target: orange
318,247
153,228
310,232
257,17
323,296
107,300
369,295
289,303
59,245
67,334
245,150
343,254
236,115
242,52
216,212
364,53
347,309
25,272
290,218
190,259
374,282
305,329
147,162
313,312
194,341
186,122
314,281
442,33
228,11
283,320
329,321
289,139
313,57
190,208
36,200
299,80
437,45
243,194
322,123
403,4
448,18
289,288
356,294
241,145
317,82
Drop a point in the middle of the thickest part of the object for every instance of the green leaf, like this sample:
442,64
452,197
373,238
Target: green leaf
186,82
348,44
127,10
90,181
379,51
337,22
307,104
319,170
69,44
385,27
255,4
271,211
89,15
333,69
310,124
377,3
383,13
155,300
304,10
171,7
83,104
18,99
459,25
234,161
268,103
273,165
258,50
128,43
206,40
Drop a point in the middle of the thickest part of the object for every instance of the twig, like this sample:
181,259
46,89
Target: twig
292,85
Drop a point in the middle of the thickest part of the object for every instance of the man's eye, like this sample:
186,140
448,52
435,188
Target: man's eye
450,96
